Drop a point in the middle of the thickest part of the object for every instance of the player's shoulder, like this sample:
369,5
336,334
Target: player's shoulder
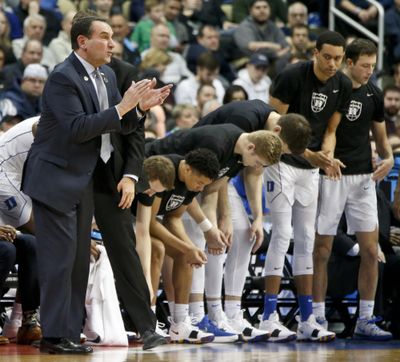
373,89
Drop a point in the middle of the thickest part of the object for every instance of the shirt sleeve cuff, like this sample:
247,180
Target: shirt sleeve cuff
133,177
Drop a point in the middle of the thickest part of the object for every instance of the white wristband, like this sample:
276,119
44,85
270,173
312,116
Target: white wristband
205,225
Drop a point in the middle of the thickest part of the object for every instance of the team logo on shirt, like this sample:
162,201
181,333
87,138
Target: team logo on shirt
318,101
223,171
174,202
354,111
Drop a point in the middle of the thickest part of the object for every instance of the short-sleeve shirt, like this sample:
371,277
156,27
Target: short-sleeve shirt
353,146
221,139
171,199
249,116
298,86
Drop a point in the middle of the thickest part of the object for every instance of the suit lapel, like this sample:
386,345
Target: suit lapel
85,80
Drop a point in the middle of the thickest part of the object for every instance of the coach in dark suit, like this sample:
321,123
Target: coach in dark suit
59,168
114,186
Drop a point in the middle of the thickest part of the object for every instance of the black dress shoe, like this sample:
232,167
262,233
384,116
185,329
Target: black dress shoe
65,346
151,339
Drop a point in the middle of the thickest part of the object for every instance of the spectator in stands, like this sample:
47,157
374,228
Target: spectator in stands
392,31
61,46
122,31
297,15
205,93
240,9
300,46
16,248
34,29
235,93
396,74
171,12
154,15
210,106
254,79
177,69
185,116
103,8
257,33
27,8
391,98
207,71
32,53
5,41
208,39
26,100
15,25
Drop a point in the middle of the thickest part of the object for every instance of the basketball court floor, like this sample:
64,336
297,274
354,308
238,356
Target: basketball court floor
339,350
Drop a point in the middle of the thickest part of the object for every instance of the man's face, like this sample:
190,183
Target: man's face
329,59
187,119
250,158
207,76
119,27
118,51
35,30
392,102
206,94
99,46
300,39
362,70
172,9
32,54
297,15
33,86
160,37
103,5
256,72
195,181
260,11
210,39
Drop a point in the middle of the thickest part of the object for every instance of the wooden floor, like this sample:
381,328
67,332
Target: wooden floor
340,350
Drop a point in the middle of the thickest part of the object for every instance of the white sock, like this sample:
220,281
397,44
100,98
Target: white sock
181,311
196,309
366,308
171,307
214,308
232,307
319,309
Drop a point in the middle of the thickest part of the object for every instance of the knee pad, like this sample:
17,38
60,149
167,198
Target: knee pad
303,264
213,275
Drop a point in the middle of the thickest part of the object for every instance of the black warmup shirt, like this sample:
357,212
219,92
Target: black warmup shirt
220,139
298,86
249,116
353,146
170,200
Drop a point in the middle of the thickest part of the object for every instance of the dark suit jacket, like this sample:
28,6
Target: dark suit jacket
66,148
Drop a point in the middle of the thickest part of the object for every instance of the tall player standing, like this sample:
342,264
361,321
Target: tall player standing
318,91
355,192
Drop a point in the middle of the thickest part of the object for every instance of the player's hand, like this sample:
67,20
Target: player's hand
257,234
215,241
8,233
225,225
381,256
382,169
320,159
196,257
126,187
334,172
154,97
